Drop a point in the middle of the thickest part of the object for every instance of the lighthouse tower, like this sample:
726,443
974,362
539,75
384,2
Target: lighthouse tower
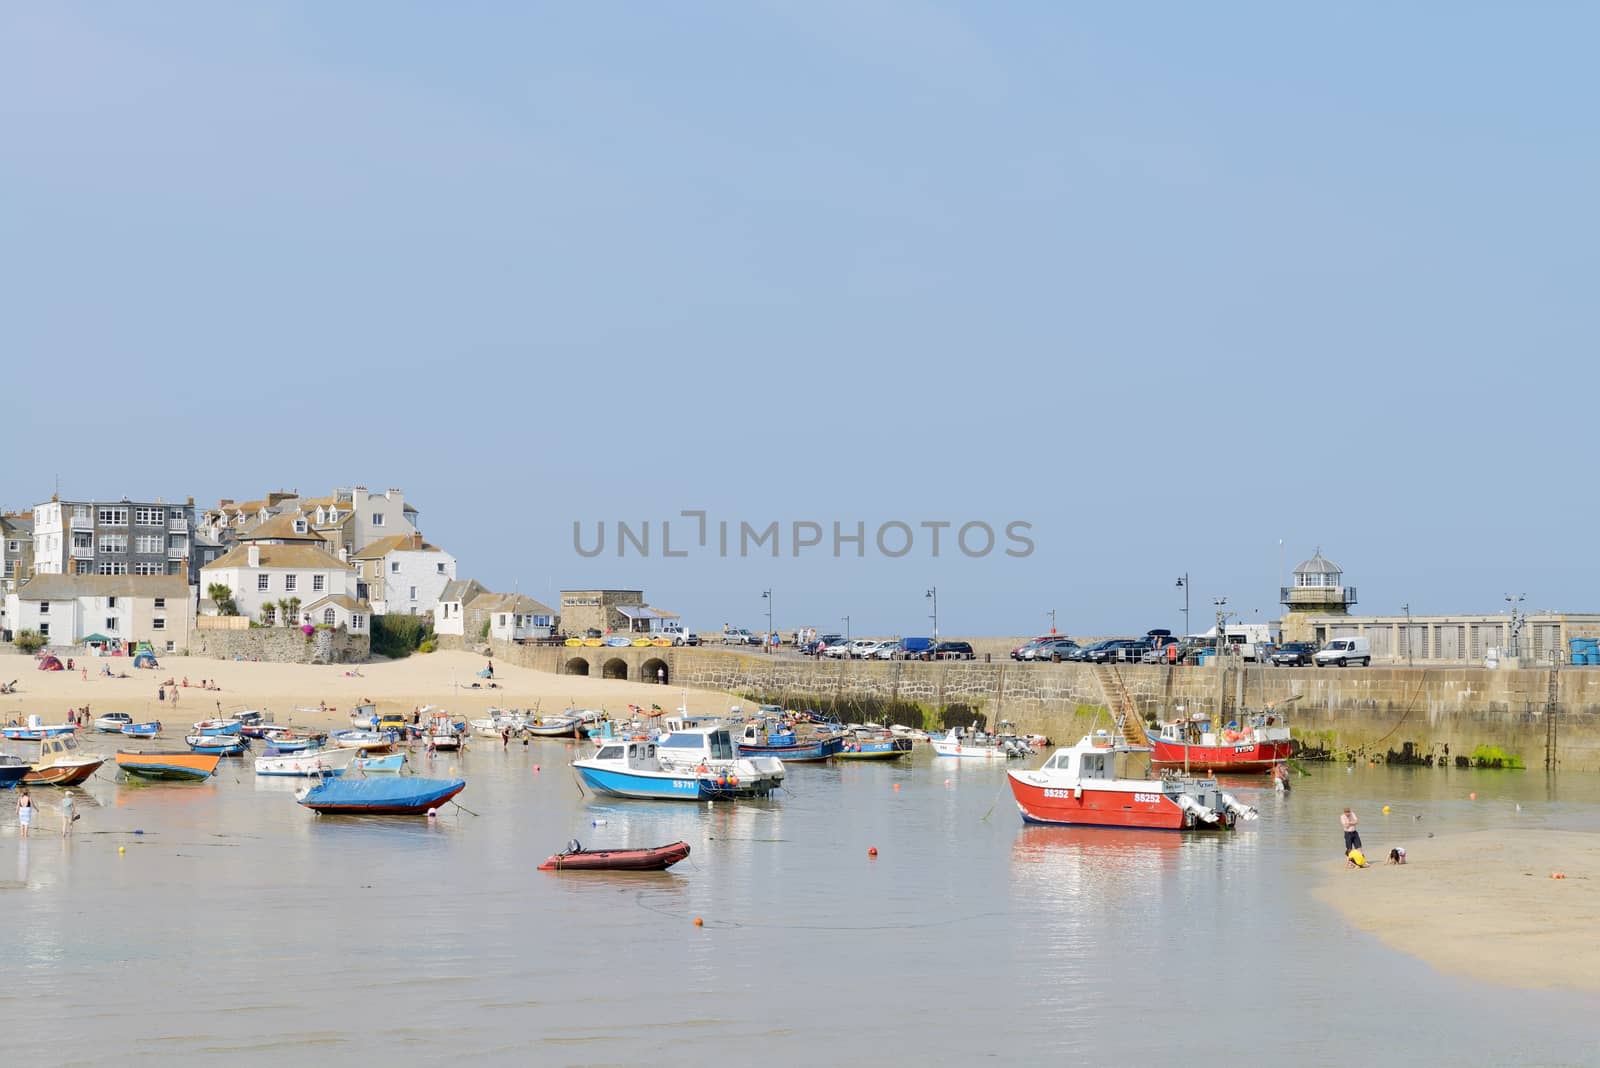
1318,590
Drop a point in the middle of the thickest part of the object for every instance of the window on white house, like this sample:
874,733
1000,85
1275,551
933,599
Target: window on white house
44,608
289,582
44,630
438,569
111,622
159,623
85,567
502,621
394,567
261,582
161,602
327,616
318,583
357,621
170,647
13,546
413,596
111,602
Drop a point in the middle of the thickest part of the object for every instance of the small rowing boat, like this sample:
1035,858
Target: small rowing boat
217,727
577,858
142,730
218,744
387,764
169,765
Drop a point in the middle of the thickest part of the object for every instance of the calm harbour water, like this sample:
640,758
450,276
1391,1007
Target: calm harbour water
239,925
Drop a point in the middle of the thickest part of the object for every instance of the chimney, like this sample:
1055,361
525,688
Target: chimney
226,502
416,539
254,553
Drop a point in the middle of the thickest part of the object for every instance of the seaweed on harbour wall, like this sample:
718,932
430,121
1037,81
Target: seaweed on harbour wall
1492,756
850,709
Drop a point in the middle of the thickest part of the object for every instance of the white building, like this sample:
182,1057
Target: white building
403,575
336,611
449,613
123,609
514,617
261,577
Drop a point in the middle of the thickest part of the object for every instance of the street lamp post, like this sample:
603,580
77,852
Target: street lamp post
846,631
1516,623
766,595
1052,615
1183,581
1406,608
933,595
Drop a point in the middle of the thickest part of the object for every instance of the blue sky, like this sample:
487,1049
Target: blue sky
1168,283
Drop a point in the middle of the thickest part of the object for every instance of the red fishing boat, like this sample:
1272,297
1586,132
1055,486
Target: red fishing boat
577,858
1105,782
60,763
1194,744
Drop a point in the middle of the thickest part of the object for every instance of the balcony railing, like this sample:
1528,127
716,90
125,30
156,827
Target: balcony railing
178,552
178,526
1316,595
83,552
82,522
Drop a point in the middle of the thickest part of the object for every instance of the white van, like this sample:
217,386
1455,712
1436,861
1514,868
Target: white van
1340,652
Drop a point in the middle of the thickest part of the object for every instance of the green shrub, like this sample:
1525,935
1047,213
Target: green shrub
428,645
30,641
400,636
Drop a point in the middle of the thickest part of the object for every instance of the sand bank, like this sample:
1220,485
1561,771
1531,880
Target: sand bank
444,679
1484,905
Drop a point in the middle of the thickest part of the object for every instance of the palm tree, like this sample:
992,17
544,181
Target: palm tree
291,617
283,613
222,597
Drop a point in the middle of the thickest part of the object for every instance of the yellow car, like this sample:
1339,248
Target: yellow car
393,721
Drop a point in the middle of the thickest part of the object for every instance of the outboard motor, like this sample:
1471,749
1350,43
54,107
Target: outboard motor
1238,808
1195,808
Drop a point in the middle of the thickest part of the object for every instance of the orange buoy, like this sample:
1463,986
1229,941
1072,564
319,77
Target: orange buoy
872,851
698,922
1472,796
897,787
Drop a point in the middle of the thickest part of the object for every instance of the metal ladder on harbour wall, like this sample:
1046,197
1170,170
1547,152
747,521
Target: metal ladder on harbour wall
1552,703
1130,728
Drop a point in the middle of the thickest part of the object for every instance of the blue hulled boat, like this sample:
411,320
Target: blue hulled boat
142,730
689,764
218,744
386,796
782,742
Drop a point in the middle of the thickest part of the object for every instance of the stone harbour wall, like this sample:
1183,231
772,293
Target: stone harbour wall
1418,715
283,645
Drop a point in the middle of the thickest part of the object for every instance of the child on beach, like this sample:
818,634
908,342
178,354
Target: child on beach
1352,837
1397,855
25,811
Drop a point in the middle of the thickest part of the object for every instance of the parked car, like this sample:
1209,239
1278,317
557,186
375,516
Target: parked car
1341,652
1082,653
1294,654
913,648
685,637
1052,650
1116,650
1025,650
889,650
953,651
740,636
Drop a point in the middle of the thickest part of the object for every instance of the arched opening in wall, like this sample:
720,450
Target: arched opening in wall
654,670
576,666
615,669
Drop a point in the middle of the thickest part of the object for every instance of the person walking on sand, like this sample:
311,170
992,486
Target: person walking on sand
24,811
505,737
1352,837
161,695
68,816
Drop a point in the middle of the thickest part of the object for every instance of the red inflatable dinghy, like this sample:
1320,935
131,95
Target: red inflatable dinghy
658,859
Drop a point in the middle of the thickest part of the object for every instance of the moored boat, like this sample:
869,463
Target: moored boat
1195,743
307,764
12,770
1100,782
382,764
401,796
354,739
112,722
60,763
36,731
142,730
172,765
566,725
772,740
875,747
218,727
444,734
218,744
976,745
692,764
577,858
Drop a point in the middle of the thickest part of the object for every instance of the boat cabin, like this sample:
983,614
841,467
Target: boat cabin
1198,729
1096,757
693,745
634,755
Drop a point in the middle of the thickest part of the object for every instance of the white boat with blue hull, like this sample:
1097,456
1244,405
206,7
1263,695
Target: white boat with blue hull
694,764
